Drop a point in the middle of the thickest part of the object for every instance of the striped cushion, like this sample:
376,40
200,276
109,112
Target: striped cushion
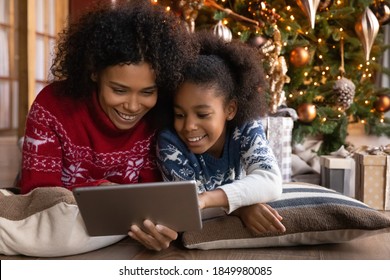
311,214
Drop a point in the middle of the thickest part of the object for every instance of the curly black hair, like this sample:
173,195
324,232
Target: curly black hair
234,70
127,32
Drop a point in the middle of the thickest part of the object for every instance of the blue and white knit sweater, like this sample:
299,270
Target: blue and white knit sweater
247,171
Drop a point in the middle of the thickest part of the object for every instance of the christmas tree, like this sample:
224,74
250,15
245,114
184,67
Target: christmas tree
321,58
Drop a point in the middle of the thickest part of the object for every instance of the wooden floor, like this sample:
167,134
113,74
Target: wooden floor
371,248
9,160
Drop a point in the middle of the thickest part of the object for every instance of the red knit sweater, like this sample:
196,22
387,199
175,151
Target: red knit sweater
73,143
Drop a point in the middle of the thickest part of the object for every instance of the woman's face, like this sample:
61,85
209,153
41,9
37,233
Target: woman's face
200,118
127,92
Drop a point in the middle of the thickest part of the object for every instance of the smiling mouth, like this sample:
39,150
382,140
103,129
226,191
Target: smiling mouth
126,117
195,139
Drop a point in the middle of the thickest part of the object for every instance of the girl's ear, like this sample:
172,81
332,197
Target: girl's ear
94,77
231,109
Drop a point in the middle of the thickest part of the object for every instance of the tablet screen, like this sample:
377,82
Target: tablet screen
111,210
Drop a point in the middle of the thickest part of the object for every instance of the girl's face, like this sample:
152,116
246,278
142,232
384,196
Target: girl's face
127,93
200,118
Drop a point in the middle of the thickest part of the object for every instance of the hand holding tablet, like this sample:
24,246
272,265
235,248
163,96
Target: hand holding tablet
111,210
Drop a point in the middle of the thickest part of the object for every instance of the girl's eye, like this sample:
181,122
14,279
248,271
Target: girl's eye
178,115
203,116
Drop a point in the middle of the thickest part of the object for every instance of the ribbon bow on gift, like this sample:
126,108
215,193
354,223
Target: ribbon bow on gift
375,150
342,152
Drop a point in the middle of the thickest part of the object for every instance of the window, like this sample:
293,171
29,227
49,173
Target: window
45,36
8,70
39,23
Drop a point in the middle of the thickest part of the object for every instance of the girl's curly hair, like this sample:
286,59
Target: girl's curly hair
127,32
234,70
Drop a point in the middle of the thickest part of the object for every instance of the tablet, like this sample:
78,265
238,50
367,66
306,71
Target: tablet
111,210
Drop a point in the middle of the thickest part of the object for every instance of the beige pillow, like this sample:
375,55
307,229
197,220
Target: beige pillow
45,223
311,214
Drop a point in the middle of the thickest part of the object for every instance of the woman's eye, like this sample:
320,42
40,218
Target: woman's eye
118,90
149,92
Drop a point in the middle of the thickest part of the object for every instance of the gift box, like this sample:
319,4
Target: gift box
373,179
279,134
337,173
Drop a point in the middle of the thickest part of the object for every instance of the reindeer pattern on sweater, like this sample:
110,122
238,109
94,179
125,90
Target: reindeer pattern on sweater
246,148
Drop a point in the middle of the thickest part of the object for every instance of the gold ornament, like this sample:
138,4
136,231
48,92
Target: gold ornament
190,11
367,28
299,57
382,104
306,112
309,7
381,9
223,31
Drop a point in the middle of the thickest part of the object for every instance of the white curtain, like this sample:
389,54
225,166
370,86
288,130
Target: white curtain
383,79
4,85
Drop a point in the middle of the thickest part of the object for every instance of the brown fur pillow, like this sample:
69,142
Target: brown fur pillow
45,223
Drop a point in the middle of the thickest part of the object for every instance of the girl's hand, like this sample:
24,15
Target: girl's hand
214,198
155,237
260,218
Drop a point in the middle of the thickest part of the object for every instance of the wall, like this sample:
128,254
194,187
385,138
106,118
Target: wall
357,137
76,7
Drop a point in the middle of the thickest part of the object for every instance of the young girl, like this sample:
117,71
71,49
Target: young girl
217,138
96,123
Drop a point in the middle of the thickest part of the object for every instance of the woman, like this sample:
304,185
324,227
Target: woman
96,123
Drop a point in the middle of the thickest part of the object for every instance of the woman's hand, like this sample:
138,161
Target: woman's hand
260,218
155,237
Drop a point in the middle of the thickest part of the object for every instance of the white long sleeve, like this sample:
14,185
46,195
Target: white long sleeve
259,186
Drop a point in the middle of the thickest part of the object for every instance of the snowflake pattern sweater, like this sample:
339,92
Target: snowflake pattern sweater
247,171
73,143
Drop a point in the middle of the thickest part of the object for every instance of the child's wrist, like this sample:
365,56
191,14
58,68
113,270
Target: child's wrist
203,203
215,198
